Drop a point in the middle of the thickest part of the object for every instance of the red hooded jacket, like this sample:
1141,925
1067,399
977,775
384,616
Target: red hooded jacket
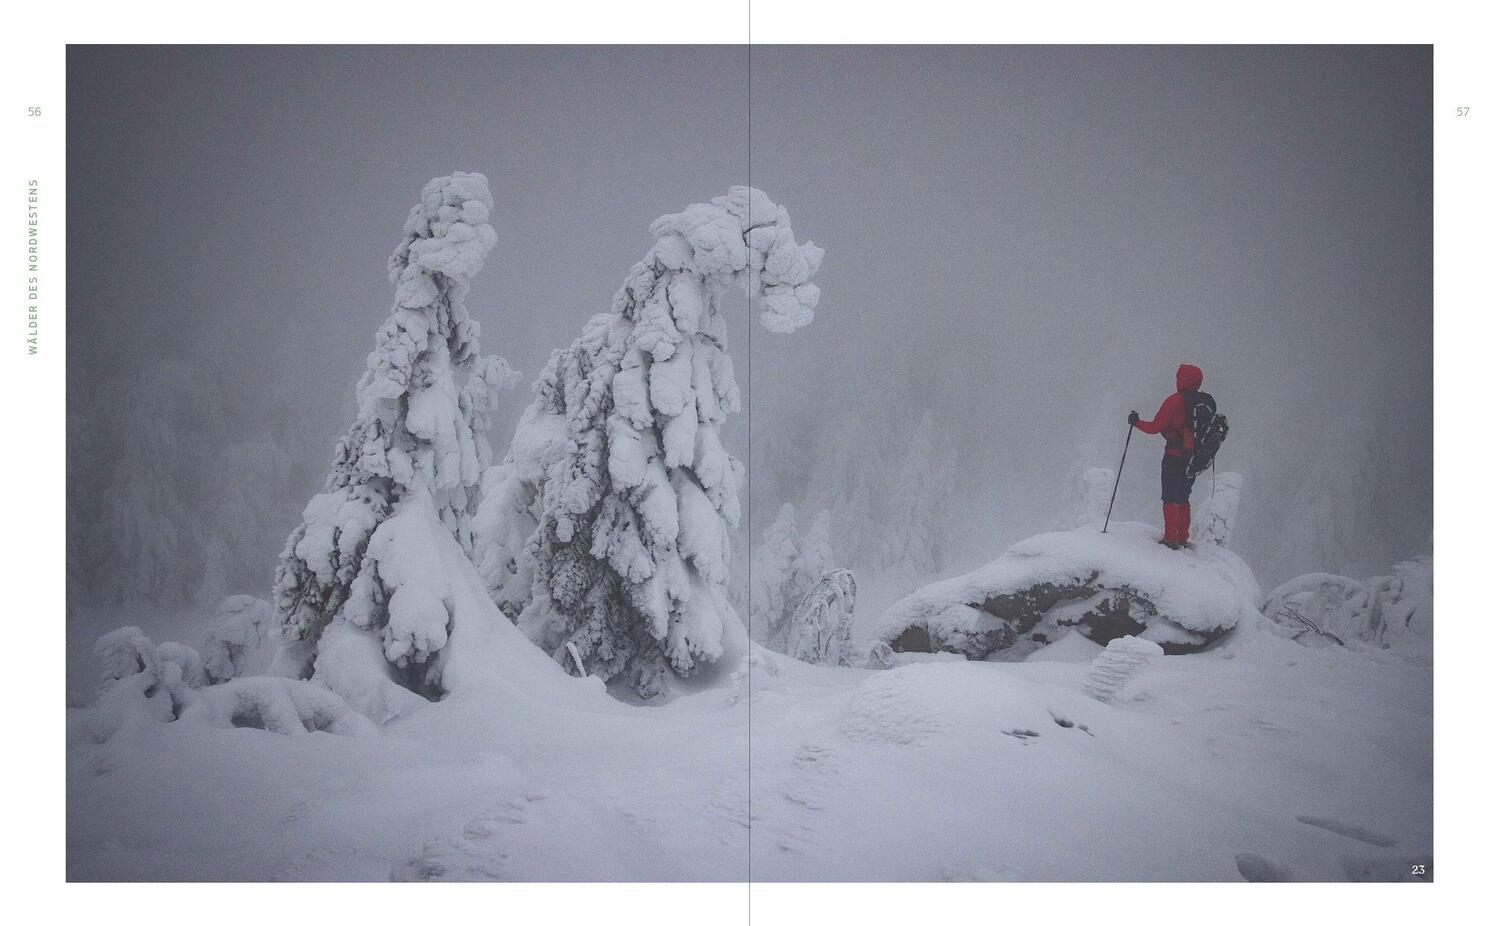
1171,419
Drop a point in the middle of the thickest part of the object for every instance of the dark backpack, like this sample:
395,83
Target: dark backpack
1209,429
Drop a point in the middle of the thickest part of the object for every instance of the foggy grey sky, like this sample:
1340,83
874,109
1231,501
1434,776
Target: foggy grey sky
1025,241
246,199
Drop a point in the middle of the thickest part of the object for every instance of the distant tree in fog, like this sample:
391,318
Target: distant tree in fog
140,530
919,504
783,568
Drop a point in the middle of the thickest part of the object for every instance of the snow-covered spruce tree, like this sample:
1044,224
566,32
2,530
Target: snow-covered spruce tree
617,478
920,505
814,554
417,440
770,573
255,491
845,477
784,568
147,542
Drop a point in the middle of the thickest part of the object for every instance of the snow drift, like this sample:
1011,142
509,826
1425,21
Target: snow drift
1106,585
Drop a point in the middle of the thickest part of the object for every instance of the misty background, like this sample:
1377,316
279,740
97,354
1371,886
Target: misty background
1022,245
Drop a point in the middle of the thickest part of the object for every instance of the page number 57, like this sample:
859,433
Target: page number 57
1463,111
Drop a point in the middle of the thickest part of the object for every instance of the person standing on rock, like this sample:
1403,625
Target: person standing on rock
1172,423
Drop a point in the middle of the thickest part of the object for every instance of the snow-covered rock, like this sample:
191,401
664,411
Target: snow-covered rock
1106,586
1384,612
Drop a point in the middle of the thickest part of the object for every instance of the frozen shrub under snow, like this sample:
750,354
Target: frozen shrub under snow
1214,512
142,678
237,642
1385,612
1106,585
417,442
607,525
821,627
146,682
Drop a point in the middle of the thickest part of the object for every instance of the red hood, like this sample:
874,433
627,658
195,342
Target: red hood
1189,377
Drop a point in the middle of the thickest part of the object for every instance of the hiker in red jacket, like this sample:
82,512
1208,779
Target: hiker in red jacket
1171,422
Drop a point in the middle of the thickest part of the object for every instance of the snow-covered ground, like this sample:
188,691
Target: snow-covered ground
1255,758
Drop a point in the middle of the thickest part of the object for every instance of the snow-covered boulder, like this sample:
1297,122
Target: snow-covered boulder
1106,586
1384,612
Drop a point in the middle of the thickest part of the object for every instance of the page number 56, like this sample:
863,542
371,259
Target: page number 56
33,111
1463,111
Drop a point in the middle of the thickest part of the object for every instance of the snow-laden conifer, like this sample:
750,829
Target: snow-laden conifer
770,573
417,440
617,478
783,569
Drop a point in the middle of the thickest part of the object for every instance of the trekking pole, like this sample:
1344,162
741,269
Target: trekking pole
1130,430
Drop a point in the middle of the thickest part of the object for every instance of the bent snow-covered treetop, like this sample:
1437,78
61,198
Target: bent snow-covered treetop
739,232
605,531
424,404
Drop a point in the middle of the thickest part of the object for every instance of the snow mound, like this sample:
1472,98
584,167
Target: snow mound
935,704
1113,669
1071,647
889,709
1384,612
1106,586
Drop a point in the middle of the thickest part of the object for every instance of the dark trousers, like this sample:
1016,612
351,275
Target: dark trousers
1176,484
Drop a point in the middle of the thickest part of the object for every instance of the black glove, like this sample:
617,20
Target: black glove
1133,419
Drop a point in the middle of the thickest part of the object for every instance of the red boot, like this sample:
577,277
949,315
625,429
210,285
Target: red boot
1169,524
1184,523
